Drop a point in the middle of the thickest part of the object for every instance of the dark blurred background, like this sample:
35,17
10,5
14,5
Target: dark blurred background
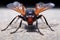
27,3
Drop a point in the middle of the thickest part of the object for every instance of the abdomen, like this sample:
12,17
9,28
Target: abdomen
30,20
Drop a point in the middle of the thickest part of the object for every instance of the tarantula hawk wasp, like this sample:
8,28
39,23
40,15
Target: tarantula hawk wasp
29,14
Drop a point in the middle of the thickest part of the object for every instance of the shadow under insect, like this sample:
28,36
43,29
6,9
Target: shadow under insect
30,28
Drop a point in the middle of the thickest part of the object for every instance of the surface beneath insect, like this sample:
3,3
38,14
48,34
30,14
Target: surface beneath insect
52,15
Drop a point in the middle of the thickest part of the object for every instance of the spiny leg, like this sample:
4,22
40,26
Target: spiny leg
10,23
38,28
47,23
17,28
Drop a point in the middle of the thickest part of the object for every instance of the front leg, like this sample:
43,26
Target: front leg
45,21
11,22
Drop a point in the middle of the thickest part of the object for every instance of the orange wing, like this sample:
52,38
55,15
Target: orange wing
17,7
22,11
37,11
40,7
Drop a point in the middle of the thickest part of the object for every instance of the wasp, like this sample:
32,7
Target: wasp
29,15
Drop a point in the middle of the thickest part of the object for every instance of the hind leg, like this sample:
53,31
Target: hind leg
18,27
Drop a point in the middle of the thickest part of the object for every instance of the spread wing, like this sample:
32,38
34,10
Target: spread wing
17,7
40,7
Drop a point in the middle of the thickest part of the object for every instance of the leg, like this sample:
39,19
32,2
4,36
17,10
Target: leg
10,23
17,19
38,28
46,22
17,28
